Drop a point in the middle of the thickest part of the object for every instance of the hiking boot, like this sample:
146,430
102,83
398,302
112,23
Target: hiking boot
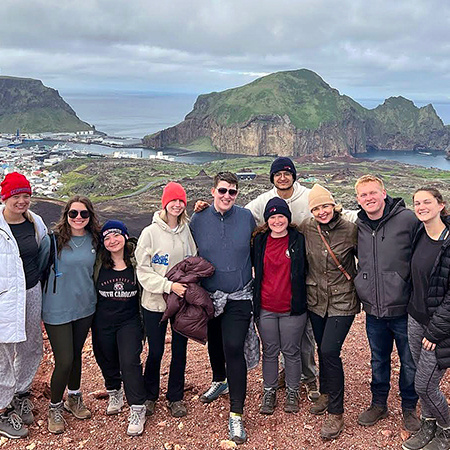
410,420
291,403
56,422
372,415
150,406
177,409
320,406
312,391
269,401
441,440
332,427
424,436
236,427
136,420
23,407
217,389
11,425
282,379
75,405
115,402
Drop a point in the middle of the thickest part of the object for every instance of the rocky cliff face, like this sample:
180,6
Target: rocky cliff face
28,105
317,120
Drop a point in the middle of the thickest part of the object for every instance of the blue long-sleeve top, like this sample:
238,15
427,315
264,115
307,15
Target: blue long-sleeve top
224,241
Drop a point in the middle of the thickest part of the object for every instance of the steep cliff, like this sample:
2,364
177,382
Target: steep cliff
297,113
28,105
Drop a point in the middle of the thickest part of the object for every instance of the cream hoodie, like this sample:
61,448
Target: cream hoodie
159,249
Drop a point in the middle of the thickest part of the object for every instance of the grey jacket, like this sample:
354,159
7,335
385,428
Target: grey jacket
384,255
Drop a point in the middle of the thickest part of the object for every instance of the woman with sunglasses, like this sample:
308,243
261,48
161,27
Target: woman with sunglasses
429,318
162,245
68,305
21,234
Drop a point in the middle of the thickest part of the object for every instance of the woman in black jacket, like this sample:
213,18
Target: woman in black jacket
279,300
429,318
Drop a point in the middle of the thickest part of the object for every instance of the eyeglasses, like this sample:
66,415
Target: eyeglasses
73,213
223,191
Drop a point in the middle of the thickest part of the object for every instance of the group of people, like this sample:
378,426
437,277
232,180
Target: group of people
292,263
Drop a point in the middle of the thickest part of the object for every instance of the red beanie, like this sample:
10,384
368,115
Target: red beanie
13,184
173,191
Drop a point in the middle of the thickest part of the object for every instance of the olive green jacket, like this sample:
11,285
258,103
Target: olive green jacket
328,290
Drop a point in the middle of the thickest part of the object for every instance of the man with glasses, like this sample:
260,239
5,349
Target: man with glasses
283,175
222,233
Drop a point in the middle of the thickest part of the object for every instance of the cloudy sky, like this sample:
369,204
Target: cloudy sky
364,48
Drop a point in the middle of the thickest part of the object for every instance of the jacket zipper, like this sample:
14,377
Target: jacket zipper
375,269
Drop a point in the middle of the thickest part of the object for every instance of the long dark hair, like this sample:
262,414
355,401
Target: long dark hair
62,227
437,195
107,261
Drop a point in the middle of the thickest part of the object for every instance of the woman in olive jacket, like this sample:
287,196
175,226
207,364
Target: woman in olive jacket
332,299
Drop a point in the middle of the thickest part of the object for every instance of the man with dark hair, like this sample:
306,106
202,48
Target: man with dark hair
223,233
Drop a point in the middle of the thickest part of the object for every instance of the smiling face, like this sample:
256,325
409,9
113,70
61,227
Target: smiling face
283,180
114,242
17,205
77,223
371,197
223,202
175,208
323,213
426,206
278,224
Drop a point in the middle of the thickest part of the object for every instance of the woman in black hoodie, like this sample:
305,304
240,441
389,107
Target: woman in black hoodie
429,318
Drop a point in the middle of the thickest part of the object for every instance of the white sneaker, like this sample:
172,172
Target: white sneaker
115,402
137,420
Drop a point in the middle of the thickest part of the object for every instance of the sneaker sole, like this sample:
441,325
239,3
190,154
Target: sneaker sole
77,416
11,436
331,436
134,434
56,431
210,400
291,411
238,440
266,412
112,413
369,424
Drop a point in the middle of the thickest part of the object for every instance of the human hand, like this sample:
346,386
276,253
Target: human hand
179,289
200,205
427,345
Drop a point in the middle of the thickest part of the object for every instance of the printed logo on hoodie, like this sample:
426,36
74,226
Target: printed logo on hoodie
161,259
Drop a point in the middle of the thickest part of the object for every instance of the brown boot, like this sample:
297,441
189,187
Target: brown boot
320,406
332,427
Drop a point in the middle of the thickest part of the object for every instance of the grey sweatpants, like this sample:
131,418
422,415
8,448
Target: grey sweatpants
20,361
428,376
281,332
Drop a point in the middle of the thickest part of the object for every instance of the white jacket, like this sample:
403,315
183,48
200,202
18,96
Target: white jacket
159,249
12,280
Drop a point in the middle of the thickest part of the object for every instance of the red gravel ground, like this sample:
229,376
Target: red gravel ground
207,425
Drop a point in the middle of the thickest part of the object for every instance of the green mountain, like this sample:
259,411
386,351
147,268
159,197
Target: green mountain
297,112
28,105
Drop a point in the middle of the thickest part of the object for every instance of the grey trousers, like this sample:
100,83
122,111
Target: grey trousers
19,361
428,377
281,332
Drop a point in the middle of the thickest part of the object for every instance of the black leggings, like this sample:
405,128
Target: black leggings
67,342
330,333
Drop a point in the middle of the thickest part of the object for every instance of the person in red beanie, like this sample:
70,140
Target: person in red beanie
21,234
162,245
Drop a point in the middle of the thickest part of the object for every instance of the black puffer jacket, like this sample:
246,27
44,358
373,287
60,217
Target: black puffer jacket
438,302
297,252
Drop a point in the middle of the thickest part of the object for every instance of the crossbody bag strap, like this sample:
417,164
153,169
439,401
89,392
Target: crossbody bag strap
333,256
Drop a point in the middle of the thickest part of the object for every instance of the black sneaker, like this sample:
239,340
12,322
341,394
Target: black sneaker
441,440
269,401
291,403
11,425
410,420
422,437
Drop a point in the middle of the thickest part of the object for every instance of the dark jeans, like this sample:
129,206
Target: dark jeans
381,334
67,342
330,333
156,334
226,337
117,349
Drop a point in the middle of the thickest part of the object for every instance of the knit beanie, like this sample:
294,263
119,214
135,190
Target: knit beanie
173,191
13,184
318,195
114,226
277,205
282,163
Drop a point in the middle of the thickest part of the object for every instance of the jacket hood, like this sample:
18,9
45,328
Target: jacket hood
392,207
164,226
421,230
299,190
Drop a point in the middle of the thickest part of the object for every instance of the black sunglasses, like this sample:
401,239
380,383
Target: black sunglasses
223,191
73,213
